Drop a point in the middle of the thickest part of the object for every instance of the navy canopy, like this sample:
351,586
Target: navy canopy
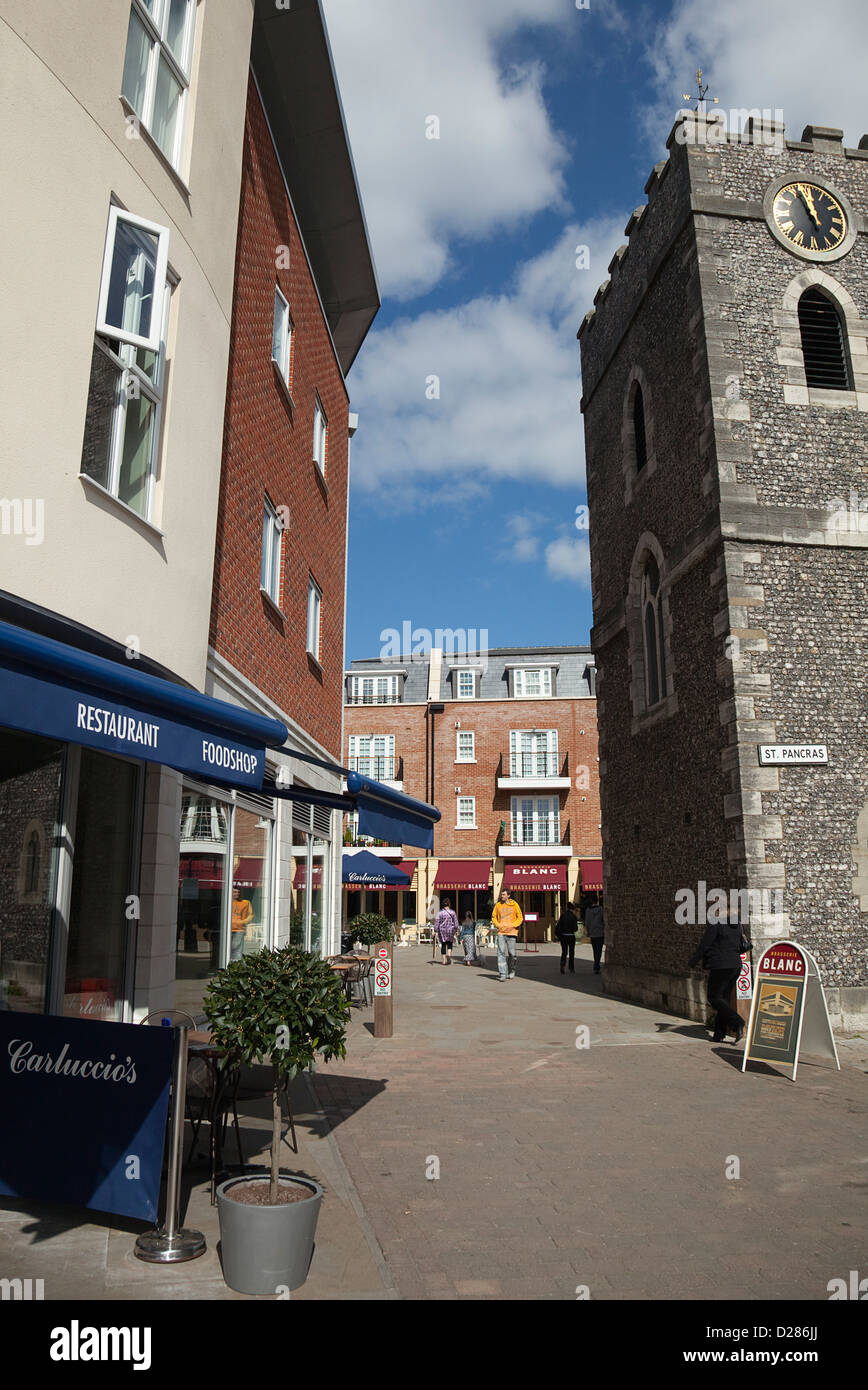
60,692
384,814
365,870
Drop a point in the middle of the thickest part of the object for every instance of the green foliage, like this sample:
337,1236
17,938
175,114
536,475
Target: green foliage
284,1007
369,928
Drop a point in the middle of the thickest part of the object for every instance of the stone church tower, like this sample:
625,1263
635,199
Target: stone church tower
725,380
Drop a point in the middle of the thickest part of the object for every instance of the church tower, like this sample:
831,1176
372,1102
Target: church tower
725,401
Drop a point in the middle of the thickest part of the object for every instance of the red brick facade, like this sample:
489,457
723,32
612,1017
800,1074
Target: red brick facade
491,722
268,449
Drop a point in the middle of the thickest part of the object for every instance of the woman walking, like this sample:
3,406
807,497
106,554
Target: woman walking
445,929
468,940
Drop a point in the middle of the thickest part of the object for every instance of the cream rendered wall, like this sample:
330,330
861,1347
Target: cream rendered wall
63,154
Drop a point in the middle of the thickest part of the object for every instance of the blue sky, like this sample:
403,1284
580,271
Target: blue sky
463,506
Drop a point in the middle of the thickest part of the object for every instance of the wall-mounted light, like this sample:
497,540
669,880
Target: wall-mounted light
457,790
458,723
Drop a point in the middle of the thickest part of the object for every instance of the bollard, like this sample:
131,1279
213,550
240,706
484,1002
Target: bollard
167,1244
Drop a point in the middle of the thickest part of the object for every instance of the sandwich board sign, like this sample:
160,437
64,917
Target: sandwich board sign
788,1010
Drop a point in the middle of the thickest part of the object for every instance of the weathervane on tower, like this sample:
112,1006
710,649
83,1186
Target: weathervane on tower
700,105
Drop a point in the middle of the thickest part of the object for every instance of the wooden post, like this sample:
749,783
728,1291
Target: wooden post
382,976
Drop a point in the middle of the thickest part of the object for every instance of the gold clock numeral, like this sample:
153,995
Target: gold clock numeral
799,238
814,246
786,226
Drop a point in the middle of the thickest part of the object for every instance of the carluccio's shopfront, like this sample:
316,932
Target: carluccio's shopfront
141,833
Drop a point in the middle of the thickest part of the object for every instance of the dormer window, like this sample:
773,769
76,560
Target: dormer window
465,685
531,682
375,690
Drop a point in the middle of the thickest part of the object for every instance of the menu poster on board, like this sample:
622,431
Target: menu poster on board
788,995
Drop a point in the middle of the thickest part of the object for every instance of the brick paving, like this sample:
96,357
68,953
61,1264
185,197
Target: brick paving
605,1166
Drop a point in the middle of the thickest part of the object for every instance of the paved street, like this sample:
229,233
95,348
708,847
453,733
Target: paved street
604,1167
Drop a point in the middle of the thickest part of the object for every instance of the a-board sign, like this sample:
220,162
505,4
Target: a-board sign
788,1010
84,1111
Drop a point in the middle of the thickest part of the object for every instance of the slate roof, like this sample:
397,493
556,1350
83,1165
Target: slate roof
572,678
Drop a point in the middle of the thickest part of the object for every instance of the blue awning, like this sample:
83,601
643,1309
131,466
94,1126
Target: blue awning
384,814
366,870
49,688
390,815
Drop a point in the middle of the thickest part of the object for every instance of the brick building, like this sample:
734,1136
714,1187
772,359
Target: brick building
725,402
505,745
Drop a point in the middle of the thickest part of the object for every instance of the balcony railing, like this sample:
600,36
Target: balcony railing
542,764
536,832
359,699
380,769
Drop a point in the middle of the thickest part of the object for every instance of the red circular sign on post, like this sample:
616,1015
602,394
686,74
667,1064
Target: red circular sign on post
782,959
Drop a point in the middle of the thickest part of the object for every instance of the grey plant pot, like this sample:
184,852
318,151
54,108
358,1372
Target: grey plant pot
267,1249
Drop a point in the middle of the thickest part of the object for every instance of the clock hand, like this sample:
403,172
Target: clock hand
808,200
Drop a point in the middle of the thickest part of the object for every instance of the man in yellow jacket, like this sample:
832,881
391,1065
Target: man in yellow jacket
507,917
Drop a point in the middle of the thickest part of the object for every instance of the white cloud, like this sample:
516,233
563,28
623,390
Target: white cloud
498,159
805,58
508,382
569,558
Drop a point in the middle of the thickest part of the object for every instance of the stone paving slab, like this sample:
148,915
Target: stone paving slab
604,1166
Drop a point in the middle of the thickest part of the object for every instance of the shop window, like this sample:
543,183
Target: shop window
30,812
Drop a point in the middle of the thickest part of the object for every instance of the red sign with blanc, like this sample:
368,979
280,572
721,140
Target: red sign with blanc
546,876
782,959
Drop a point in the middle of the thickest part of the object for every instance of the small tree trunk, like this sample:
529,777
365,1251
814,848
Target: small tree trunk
277,1120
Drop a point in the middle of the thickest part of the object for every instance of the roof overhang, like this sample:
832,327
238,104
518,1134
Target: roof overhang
292,63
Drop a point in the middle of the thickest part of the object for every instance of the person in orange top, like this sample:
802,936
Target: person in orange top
507,917
242,916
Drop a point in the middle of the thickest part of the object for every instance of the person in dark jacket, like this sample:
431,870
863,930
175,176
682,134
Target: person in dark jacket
565,931
720,951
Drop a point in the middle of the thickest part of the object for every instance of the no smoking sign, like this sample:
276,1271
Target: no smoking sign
383,973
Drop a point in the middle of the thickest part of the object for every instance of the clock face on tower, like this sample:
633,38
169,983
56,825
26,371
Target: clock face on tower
809,219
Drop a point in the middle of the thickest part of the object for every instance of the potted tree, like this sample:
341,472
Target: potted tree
369,928
282,1008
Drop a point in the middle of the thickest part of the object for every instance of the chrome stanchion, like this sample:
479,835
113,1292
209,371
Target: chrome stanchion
167,1244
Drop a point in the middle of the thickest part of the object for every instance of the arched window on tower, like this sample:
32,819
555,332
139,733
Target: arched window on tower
652,634
639,429
823,342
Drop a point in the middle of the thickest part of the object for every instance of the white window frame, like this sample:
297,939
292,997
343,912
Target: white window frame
314,617
320,433
113,330
391,693
461,824
371,749
155,28
465,671
271,562
283,363
518,738
519,683
521,816
465,757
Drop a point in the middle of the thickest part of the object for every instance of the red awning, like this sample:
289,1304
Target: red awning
204,870
406,866
300,879
592,874
535,876
249,873
463,873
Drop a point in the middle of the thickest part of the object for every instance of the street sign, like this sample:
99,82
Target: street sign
383,990
793,754
788,1009
743,985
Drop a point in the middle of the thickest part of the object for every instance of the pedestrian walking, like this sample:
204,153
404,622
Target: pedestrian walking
595,928
720,951
565,931
446,929
468,940
507,918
